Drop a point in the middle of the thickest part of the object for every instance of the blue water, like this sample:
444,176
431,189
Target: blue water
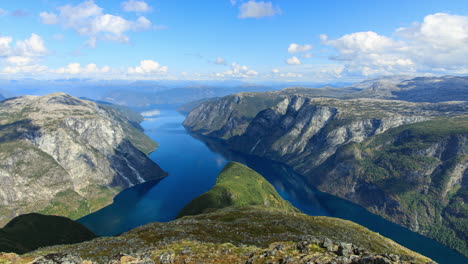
193,164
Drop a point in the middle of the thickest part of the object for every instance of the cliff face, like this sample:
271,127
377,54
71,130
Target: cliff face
66,156
317,136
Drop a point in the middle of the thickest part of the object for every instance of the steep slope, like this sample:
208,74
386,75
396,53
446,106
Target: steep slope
236,234
239,186
66,156
416,175
28,232
306,133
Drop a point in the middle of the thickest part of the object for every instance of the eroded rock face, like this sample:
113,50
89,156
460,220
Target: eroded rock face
354,149
60,154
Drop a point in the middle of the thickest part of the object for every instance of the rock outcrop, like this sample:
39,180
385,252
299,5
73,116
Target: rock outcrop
66,156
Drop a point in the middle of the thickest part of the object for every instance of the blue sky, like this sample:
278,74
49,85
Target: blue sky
278,40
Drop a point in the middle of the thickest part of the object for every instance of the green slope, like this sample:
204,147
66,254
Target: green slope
237,185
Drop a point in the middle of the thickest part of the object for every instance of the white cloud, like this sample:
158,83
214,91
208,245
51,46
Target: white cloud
23,56
3,12
135,6
48,18
75,69
260,9
293,61
237,71
32,47
88,19
148,67
439,44
291,75
220,61
296,48
275,70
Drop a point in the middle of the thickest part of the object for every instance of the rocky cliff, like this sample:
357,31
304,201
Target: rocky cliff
66,156
309,133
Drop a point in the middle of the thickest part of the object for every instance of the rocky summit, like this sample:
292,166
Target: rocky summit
235,232
403,160
66,156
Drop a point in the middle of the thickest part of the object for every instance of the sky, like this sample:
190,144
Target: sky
249,40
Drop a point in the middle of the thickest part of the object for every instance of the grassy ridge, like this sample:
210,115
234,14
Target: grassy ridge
237,185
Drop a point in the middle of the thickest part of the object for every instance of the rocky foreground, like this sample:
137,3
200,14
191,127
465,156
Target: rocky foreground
240,223
66,156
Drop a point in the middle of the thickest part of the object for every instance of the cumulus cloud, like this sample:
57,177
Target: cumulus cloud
260,9
147,67
293,61
237,71
48,18
75,69
275,70
88,19
24,56
220,61
438,44
296,48
135,6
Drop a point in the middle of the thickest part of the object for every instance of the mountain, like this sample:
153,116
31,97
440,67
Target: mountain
236,234
2,97
239,186
315,135
179,95
420,89
65,156
28,232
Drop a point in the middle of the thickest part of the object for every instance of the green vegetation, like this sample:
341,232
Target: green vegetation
417,165
237,185
73,205
31,231
252,227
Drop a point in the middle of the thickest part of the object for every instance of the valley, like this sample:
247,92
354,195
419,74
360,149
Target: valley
402,160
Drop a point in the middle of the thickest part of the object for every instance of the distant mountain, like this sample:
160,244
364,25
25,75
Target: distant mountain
252,224
2,97
403,160
28,232
65,156
420,89
238,185
175,96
